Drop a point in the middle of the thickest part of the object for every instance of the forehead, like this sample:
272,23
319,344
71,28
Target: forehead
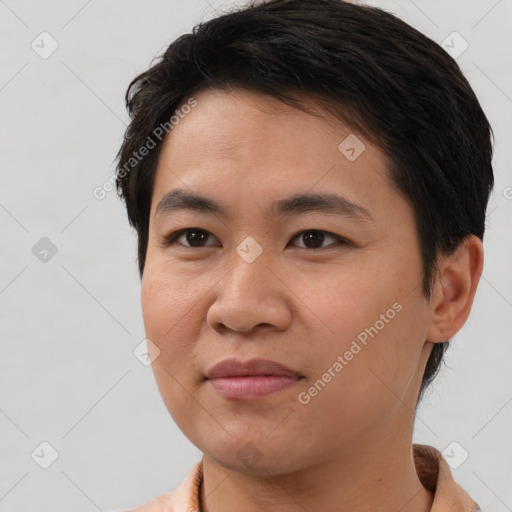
244,144
233,122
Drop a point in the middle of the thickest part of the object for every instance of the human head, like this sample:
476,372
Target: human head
373,71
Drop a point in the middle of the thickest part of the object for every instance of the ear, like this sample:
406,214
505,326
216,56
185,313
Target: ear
454,289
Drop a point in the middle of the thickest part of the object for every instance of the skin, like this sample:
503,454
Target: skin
351,445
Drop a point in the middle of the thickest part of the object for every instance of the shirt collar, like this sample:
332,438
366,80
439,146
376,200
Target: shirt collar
436,476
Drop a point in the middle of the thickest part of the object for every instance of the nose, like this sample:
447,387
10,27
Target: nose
250,296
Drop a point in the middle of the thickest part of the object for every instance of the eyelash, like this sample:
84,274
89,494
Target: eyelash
172,238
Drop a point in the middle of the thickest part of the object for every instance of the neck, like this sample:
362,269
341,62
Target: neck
378,476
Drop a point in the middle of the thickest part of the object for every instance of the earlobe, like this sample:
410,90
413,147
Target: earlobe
454,289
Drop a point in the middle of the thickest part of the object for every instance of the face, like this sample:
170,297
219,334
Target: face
331,290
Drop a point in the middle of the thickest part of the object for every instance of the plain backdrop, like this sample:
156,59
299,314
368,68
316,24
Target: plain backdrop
69,287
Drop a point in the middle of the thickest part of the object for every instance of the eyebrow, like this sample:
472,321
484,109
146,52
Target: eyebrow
180,199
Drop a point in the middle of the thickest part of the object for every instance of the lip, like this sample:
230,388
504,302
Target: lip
252,367
250,380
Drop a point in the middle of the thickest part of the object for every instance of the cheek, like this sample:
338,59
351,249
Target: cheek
367,388
169,307
347,299
376,321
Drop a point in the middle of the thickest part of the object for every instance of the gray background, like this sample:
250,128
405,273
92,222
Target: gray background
70,323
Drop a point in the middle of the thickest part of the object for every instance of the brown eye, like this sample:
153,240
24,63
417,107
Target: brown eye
314,238
192,237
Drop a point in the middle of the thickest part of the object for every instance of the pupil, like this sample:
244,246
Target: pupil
313,236
193,237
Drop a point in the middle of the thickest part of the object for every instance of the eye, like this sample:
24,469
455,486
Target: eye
316,237
192,236
195,237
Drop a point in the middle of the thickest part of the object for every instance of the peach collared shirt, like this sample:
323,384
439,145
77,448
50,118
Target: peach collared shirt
433,472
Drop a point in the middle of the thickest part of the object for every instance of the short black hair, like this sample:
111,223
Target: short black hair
371,70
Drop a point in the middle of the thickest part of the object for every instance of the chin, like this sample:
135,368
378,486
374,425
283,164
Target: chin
255,456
